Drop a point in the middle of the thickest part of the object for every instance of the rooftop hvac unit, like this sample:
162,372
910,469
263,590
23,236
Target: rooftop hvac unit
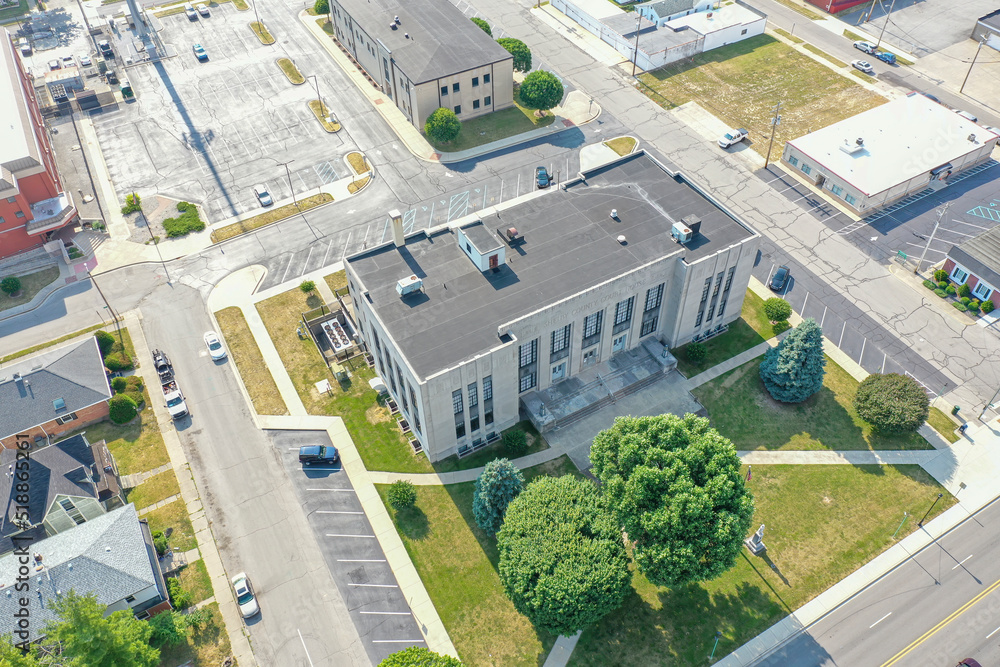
409,285
681,233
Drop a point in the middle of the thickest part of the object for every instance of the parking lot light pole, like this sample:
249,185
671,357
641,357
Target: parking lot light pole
635,56
774,126
322,106
941,212
939,496
289,174
978,49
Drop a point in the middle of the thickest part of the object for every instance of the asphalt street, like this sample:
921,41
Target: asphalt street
936,608
256,518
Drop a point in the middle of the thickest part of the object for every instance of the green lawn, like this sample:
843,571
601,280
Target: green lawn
752,329
205,648
495,126
137,447
458,566
536,443
742,410
822,522
194,579
621,145
378,439
173,520
788,35
11,13
32,283
943,424
743,82
154,489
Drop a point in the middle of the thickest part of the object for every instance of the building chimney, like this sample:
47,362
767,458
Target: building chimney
397,228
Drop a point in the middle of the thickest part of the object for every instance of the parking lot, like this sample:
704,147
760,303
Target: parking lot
209,132
352,552
921,26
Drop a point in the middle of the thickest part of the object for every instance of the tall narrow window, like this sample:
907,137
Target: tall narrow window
560,344
488,400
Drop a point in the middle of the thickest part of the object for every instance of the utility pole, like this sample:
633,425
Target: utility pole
635,56
884,25
256,15
774,126
318,97
870,10
978,49
289,174
107,305
989,405
941,212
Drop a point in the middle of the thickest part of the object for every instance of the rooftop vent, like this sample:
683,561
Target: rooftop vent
681,232
850,148
409,285
59,404
692,222
18,378
972,138
511,236
622,239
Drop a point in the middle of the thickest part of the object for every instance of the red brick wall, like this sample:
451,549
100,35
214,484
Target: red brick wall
84,417
949,266
159,609
972,281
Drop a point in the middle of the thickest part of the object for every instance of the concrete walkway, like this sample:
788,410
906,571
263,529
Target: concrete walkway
135,479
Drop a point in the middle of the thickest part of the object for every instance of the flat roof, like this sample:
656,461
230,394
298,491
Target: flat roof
902,139
721,18
433,39
17,141
992,19
570,245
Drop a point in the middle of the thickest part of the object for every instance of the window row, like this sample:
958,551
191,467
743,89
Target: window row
472,390
456,87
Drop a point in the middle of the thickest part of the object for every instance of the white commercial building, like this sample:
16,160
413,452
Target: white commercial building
894,150
550,303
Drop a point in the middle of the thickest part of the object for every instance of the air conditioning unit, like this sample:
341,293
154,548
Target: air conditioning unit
409,285
681,233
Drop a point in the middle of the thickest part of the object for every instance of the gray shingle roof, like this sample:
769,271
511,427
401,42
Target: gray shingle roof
64,468
74,373
442,41
981,255
665,8
107,556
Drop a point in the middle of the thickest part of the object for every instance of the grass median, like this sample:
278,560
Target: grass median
324,115
621,145
256,376
824,55
358,162
271,216
291,71
742,410
56,341
263,35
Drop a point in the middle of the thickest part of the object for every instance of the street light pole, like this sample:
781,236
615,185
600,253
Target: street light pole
774,126
110,309
255,14
884,25
289,174
635,56
939,496
718,634
978,49
989,404
941,212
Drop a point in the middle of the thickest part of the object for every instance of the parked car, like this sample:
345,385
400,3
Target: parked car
202,8
189,10
732,137
779,279
68,61
54,65
863,65
244,595
105,47
966,115
85,60
200,53
214,345
310,454
886,57
542,177
867,47
931,97
111,77
969,662
263,196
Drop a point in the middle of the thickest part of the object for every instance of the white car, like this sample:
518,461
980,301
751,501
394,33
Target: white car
85,61
867,47
863,65
244,595
202,8
214,345
732,137
263,196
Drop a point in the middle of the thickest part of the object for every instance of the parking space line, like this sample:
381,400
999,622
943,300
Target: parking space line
361,560
412,216
327,253
963,222
346,490
335,512
372,537
463,204
386,613
301,639
374,585
285,275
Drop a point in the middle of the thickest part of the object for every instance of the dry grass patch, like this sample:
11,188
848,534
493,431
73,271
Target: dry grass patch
271,216
377,414
336,281
358,162
253,371
194,579
621,145
789,36
354,186
742,83
208,647
323,113
263,35
175,523
153,490
824,55
291,71
31,285
137,446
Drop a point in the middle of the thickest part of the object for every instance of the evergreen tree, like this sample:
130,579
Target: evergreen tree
793,371
496,487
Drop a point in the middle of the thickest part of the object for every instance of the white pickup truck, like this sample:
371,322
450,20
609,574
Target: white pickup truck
171,392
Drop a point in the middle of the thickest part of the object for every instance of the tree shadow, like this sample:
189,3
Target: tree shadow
413,523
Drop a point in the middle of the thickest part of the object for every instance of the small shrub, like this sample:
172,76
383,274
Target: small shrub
951,290
695,352
133,203
134,383
402,494
118,361
777,309
963,290
105,341
941,293
960,306
965,300
322,7
940,275
10,285
973,306
122,409
136,396
308,286
515,441
483,24
187,221
987,306
942,284
179,598
170,628
119,384
442,125
160,542
892,403
930,284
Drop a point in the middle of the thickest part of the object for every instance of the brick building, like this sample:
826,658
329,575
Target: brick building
976,263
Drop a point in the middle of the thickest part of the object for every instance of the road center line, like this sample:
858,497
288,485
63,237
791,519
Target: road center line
879,620
304,647
963,560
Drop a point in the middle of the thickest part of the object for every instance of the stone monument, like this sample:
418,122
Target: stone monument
755,543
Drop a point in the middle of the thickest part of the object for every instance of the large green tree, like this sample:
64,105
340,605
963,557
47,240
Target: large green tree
562,558
86,638
12,656
892,403
520,51
678,492
541,90
418,656
482,24
442,125
498,484
793,371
